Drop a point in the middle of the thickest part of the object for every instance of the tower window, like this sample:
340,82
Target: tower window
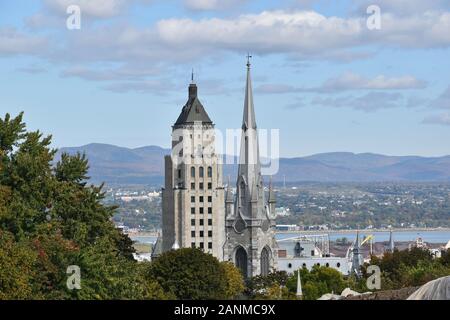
202,234
193,172
201,198
202,245
209,185
209,210
193,245
193,185
179,173
209,172
193,234
201,210
201,222
209,199
192,222
192,210
192,199
209,222
209,245
201,186
210,233
201,172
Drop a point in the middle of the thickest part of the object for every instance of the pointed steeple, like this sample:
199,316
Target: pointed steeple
249,120
356,260
391,242
249,164
357,240
299,285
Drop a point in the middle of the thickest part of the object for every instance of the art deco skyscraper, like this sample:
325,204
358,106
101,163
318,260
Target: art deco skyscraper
193,196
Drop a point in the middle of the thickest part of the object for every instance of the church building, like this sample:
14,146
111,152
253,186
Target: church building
196,211
250,219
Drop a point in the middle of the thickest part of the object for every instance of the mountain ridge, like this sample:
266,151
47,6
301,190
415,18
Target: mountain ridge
145,166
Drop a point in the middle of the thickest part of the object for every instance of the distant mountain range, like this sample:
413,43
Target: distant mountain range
145,166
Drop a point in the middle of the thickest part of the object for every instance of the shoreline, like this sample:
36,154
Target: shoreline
333,231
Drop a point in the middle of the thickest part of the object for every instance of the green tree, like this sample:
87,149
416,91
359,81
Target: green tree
50,219
16,268
235,281
189,274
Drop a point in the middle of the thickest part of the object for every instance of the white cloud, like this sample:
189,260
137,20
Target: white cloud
93,8
439,119
206,5
305,33
369,102
402,7
352,81
349,81
14,42
443,101
128,72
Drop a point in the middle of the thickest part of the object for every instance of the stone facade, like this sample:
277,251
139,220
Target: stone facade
250,220
193,196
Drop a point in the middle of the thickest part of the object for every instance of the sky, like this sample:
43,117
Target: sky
328,74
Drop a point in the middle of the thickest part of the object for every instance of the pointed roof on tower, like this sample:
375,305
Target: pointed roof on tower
391,242
249,164
193,111
299,285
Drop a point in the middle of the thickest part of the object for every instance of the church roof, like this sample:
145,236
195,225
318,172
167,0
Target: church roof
193,111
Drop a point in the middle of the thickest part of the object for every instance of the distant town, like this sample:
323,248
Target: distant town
314,206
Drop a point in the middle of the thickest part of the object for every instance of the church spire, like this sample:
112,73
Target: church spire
249,165
391,242
299,293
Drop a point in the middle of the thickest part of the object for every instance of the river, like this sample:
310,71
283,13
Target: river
431,236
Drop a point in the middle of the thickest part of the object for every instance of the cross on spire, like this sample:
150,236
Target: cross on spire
248,60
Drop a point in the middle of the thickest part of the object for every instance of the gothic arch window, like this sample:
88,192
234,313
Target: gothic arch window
201,172
265,261
209,172
241,261
193,172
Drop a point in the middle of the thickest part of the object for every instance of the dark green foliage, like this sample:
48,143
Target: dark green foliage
412,267
270,287
317,282
50,220
72,168
190,274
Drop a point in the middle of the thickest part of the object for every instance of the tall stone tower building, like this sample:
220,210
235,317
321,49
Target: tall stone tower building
250,220
193,196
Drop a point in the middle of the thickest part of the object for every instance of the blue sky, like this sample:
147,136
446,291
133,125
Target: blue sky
319,74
